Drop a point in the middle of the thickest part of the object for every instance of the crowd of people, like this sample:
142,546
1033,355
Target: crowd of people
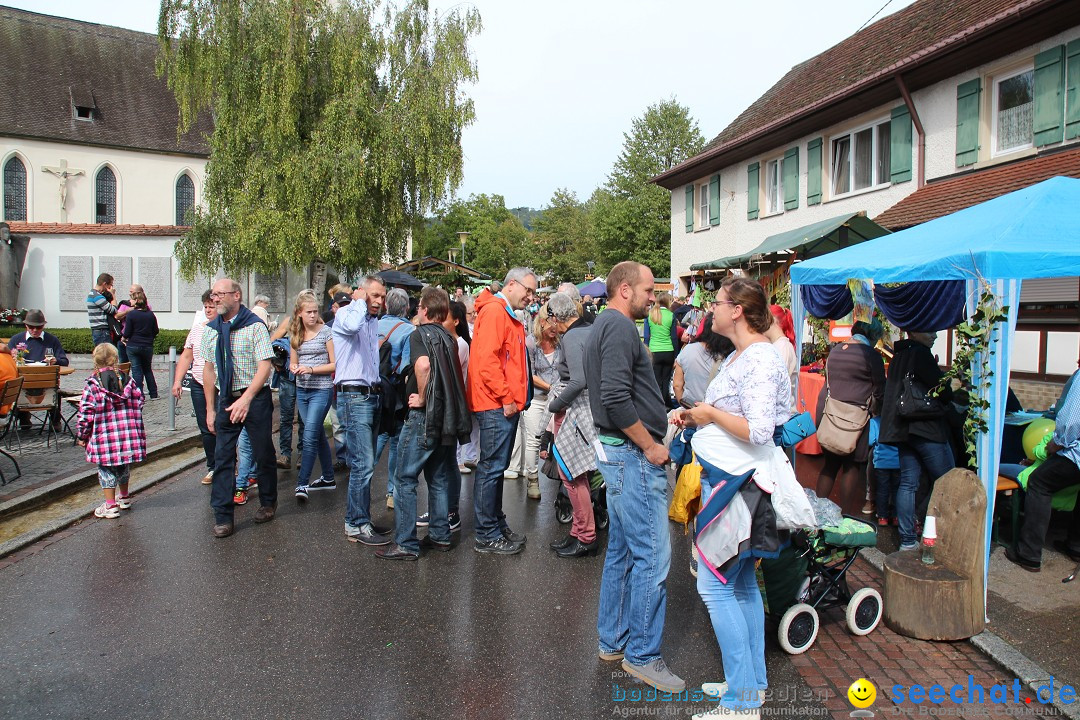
505,385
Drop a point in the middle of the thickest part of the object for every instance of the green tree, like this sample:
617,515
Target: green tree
336,125
497,240
632,216
564,241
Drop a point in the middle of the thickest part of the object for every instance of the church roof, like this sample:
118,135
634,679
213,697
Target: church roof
52,65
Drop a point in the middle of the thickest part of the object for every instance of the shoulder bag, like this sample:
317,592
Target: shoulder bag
915,401
841,424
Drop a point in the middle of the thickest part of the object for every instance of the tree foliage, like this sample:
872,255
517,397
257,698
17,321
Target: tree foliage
631,216
337,123
497,240
564,241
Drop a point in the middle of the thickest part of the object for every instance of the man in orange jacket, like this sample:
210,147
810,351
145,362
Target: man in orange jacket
498,389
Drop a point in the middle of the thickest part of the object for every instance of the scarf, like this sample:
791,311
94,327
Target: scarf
223,355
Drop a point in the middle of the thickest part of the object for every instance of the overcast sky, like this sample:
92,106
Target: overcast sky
560,80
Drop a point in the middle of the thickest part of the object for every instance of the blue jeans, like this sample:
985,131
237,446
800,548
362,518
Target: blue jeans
142,358
313,406
101,336
389,440
738,620
435,462
286,410
359,415
258,424
497,434
916,456
245,463
633,589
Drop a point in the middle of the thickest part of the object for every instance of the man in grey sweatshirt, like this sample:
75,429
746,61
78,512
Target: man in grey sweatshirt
630,418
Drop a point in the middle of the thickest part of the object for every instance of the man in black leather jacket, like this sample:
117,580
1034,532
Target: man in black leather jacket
438,419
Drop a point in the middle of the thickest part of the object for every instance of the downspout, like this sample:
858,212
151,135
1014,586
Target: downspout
921,179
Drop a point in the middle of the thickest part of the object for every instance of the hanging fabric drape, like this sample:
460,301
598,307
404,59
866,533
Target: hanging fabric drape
826,301
927,306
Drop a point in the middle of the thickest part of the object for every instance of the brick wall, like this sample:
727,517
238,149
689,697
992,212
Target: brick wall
1036,395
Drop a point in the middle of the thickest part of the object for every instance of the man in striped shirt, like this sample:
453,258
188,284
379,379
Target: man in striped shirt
357,382
236,352
99,307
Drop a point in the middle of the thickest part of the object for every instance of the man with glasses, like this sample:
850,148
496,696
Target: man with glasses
236,352
41,347
498,389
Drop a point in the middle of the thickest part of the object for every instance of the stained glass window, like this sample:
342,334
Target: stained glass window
185,199
14,190
105,197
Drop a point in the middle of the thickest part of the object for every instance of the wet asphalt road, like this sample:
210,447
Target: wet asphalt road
149,616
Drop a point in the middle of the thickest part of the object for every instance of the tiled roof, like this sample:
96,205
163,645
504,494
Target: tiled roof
947,196
23,228
49,63
885,46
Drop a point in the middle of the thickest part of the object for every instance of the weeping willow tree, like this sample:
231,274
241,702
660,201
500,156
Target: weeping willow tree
337,124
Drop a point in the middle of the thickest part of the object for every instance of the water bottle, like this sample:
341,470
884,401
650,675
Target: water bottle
929,539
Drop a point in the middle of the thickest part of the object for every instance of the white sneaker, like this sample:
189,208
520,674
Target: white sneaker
124,501
511,475
715,690
722,712
464,469
105,510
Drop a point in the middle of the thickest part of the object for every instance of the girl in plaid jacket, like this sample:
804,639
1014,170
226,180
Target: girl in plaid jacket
111,428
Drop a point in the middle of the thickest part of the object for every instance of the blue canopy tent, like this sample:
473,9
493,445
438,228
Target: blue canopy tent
1029,233
597,288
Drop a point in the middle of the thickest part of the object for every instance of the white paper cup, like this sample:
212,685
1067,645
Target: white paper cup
930,527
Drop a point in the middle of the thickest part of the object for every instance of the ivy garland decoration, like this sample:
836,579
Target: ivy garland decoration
973,345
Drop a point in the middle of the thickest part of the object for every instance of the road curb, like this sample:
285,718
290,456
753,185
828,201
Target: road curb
1003,653
59,524
79,480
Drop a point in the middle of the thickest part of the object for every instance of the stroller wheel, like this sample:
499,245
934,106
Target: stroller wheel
798,629
864,611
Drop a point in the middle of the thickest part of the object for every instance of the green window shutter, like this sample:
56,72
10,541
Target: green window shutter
791,178
967,122
753,190
689,208
900,144
813,172
1049,111
1072,90
714,200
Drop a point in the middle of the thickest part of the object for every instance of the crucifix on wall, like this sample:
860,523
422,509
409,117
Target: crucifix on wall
62,172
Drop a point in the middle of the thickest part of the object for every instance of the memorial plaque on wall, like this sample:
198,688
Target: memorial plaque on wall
189,293
76,279
273,286
155,275
120,269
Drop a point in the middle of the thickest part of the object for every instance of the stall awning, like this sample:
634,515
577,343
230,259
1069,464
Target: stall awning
809,241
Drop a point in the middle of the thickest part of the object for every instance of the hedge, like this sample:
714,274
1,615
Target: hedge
78,341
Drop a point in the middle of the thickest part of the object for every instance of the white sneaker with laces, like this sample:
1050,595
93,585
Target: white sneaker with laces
124,501
104,510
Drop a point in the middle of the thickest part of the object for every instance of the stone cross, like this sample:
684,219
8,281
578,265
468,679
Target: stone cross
63,173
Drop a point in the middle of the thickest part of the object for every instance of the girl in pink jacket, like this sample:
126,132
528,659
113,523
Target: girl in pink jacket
110,427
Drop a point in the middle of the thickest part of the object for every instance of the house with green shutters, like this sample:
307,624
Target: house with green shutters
937,107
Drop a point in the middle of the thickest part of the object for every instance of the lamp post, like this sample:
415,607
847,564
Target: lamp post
462,236
590,265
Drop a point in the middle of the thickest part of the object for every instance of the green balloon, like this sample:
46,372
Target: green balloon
1034,434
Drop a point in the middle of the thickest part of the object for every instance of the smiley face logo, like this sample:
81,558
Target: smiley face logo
862,693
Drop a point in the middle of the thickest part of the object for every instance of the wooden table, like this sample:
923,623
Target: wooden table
64,369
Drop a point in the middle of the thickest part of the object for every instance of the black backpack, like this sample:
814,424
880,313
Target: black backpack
394,403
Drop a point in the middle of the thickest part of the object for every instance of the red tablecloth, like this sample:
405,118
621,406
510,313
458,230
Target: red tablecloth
810,385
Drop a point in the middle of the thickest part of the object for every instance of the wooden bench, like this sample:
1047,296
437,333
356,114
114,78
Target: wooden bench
943,601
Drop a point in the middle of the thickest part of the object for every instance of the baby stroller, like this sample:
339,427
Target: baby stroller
811,576
564,511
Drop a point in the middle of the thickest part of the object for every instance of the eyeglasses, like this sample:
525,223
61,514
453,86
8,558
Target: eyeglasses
714,303
35,327
223,294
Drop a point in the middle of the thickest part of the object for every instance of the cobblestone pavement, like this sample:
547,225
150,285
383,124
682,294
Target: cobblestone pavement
41,467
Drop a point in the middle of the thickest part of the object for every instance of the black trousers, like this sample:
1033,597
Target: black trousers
1057,473
209,440
259,424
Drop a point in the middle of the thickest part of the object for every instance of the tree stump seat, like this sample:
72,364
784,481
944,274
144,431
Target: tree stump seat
943,601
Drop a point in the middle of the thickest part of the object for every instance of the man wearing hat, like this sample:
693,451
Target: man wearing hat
41,347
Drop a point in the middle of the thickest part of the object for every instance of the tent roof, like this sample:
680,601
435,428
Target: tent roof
1029,233
419,265
596,288
824,236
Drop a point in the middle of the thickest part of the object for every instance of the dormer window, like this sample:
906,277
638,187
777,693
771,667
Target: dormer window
83,106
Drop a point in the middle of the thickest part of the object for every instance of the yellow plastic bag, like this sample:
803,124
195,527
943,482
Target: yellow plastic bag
686,500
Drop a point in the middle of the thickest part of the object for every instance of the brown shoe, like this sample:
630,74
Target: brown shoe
223,530
265,513
284,461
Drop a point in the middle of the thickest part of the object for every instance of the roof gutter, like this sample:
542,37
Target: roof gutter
914,60
918,128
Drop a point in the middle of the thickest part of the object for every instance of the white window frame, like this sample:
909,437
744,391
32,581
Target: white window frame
703,208
876,183
778,208
995,81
